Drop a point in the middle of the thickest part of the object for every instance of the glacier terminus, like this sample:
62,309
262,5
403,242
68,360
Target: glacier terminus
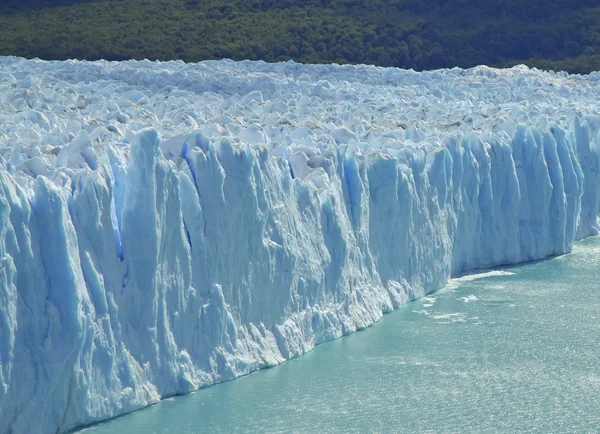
167,226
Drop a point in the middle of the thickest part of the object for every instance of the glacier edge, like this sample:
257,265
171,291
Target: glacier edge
200,260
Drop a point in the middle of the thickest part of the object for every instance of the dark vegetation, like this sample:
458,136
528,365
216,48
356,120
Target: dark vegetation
419,34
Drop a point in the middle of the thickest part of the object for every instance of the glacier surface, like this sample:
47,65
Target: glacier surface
166,226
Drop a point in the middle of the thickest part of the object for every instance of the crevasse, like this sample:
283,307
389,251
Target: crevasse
170,262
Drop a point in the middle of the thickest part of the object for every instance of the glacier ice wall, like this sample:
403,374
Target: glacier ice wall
166,226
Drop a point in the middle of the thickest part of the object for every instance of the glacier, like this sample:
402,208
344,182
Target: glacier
167,226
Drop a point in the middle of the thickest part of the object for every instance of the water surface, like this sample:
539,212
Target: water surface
516,349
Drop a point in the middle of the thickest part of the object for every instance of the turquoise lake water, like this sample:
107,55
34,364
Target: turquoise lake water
516,349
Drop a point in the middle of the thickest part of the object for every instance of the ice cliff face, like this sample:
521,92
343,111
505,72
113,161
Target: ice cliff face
266,209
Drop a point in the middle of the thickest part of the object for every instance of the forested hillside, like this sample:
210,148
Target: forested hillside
419,34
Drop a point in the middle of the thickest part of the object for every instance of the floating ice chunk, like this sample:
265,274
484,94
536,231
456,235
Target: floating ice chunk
469,298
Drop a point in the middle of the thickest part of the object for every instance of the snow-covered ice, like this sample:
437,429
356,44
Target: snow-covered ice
165,226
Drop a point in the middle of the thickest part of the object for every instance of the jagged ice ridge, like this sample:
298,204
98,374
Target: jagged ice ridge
165,226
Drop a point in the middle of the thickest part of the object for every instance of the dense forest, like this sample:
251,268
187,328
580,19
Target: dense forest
419,34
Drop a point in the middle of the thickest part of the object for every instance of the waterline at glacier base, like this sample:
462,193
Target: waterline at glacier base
512,350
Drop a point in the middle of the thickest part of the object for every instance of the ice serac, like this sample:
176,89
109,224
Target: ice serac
193,223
